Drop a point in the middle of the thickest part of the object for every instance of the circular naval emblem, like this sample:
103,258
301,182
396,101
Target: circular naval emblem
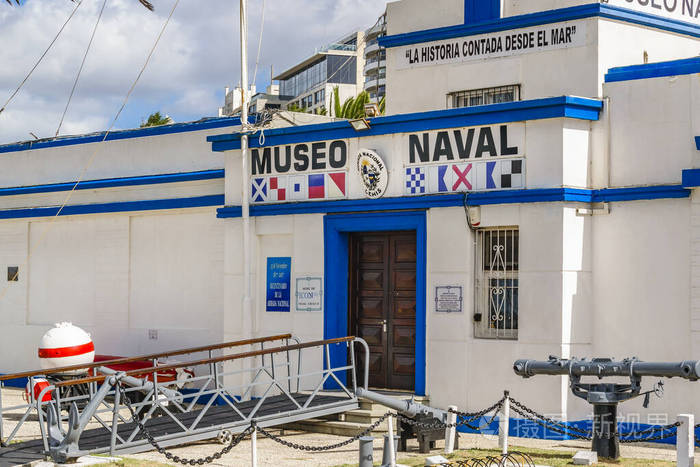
373,172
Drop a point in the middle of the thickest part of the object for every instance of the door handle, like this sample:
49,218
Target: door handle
383,323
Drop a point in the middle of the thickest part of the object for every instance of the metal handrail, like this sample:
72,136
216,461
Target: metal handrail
118,361
225,358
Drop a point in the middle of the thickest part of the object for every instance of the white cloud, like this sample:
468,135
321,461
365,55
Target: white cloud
197,57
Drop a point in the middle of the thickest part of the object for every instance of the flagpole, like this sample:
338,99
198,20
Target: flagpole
245,204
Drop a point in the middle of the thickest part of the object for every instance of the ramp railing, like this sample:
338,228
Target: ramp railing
266,386
23,412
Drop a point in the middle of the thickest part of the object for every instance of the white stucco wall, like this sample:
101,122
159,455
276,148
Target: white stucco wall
117,276
441,13
651,140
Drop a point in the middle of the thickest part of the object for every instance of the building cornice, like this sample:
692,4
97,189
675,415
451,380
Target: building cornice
537,109
206,124
594,10
654,70
114,182
527,196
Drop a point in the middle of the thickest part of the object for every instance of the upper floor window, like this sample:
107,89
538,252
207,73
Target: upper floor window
484,96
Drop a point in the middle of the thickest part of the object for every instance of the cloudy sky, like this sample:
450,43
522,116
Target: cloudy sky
197,57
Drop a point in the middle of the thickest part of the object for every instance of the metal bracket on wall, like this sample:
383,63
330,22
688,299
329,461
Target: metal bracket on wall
595,209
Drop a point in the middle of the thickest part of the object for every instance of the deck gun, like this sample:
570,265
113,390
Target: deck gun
605,397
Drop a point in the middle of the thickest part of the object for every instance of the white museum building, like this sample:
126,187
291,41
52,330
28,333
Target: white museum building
531,192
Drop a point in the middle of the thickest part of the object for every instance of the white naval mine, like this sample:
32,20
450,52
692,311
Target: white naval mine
531,192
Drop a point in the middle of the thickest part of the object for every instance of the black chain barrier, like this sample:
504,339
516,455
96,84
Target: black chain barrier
330,447
181,460
510,459
561,428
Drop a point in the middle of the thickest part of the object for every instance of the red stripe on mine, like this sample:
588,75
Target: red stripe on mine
67,351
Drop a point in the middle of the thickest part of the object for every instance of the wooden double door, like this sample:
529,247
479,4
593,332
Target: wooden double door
383,305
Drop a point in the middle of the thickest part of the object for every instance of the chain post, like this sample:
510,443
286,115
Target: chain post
504,423
450,430
685,441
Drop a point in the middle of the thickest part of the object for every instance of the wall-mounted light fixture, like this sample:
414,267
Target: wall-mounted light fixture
360,124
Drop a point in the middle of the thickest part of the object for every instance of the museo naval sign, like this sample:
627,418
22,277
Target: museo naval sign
454,160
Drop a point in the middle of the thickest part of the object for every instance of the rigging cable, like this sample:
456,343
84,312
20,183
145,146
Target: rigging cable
42,57
82,64
3,292
262,25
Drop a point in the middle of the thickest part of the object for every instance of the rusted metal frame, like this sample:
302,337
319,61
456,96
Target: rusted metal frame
225,358
173,353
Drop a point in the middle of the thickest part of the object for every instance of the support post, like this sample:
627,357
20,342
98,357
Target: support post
390,442
115,420
450,431
605,438
685,441
504,424
366,451
254,447
245,202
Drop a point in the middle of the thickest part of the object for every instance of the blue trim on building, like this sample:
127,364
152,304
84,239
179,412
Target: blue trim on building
691,178
123,206
115,182
540,18
336,230
523,428
536,109
654,70
640,193
206,124
476,11
536,195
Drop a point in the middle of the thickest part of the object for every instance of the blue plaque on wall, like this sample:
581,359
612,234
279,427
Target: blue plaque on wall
279,278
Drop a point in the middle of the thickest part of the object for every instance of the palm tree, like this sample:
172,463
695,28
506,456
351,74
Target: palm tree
354,107
156,119
145,3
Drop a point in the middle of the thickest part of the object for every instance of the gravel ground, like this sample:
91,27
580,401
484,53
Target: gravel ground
273,454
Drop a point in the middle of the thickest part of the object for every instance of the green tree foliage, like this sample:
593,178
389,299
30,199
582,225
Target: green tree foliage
294,107
354,107
156,119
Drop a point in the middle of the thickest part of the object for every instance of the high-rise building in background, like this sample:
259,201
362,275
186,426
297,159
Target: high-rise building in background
311,82
375,61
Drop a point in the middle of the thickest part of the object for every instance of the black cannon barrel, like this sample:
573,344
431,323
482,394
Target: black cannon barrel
689,369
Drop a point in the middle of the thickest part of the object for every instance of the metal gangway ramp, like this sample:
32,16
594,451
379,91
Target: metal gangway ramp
276,380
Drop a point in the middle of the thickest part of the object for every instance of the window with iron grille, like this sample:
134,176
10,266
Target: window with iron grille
496,283
484,96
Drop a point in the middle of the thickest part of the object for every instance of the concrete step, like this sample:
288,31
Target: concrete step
354,421
330,427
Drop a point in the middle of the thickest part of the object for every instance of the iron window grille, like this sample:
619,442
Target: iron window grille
496,283
484,96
